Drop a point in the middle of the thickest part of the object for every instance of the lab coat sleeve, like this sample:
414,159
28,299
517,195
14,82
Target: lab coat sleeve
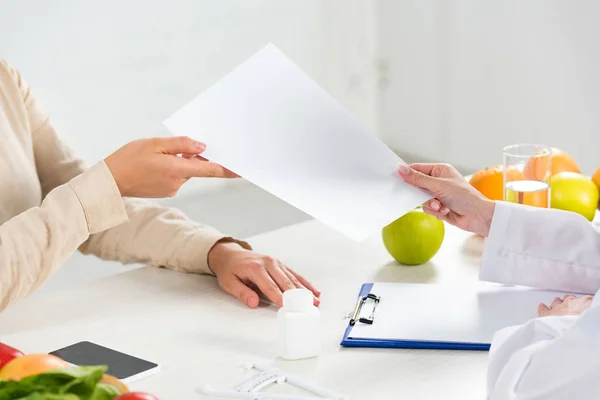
543,248
548,358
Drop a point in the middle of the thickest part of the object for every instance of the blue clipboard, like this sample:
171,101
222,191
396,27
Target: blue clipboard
349,341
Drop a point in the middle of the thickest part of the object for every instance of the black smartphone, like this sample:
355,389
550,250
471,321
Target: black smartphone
120,365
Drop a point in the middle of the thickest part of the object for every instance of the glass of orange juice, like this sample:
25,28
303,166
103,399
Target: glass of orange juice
527,169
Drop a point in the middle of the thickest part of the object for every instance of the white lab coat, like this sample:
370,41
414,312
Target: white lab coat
548,358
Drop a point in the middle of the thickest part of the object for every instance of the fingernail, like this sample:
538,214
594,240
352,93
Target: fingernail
403,169
434,205
252,301
200,146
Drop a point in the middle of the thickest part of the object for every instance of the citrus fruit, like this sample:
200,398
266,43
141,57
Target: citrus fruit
537,167
596,179
490,181
574,192
31,364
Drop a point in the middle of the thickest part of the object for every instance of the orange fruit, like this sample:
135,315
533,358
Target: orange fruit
536,199
111,380
490,181
596,179
537,167
31,364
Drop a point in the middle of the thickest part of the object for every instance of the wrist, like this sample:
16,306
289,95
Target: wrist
485,213
114,170
220,252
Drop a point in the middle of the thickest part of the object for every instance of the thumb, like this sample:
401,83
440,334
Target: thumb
179,145
419,179
243,293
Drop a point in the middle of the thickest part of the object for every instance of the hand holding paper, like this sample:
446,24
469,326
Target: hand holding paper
270,123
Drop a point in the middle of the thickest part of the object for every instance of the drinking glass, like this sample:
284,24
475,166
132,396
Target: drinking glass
527,169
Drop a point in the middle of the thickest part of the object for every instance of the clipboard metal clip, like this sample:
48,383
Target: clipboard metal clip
360,302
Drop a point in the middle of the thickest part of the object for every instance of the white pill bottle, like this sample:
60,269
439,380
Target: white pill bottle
299,326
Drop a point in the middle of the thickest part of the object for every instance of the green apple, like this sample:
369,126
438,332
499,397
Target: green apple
414,238
571,191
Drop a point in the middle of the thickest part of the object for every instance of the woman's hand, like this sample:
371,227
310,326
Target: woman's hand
243,273
456,201
152,168
568,305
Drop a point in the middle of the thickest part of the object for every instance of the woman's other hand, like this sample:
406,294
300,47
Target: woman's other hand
244,274
568,305
455,200
150,168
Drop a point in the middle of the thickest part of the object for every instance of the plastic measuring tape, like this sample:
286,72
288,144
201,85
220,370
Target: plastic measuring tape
250,388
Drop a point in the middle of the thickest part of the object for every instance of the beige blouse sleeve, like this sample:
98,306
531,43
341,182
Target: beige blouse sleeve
82,208
37,242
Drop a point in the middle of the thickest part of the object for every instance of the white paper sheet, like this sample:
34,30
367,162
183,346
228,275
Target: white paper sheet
270,123
468,313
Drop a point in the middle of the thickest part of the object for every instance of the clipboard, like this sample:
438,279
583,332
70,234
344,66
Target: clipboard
488,308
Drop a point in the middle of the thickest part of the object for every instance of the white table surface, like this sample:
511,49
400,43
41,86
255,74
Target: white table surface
199,334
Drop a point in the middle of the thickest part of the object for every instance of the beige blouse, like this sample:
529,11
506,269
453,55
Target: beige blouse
51,205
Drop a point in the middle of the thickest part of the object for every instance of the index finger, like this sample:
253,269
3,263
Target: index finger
179,145
424,168
197,168
543,310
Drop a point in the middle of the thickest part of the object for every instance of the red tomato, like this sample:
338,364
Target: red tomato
136,396
7,354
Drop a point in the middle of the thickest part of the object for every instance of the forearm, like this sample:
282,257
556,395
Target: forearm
37,242
157,236
545,248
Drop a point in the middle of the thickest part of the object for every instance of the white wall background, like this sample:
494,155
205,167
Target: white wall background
463,78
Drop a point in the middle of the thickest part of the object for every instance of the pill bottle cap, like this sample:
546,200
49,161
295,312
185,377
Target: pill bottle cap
297,300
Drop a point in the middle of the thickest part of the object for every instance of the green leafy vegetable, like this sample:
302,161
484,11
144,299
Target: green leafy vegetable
77,380
10,390
76,383
104,392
